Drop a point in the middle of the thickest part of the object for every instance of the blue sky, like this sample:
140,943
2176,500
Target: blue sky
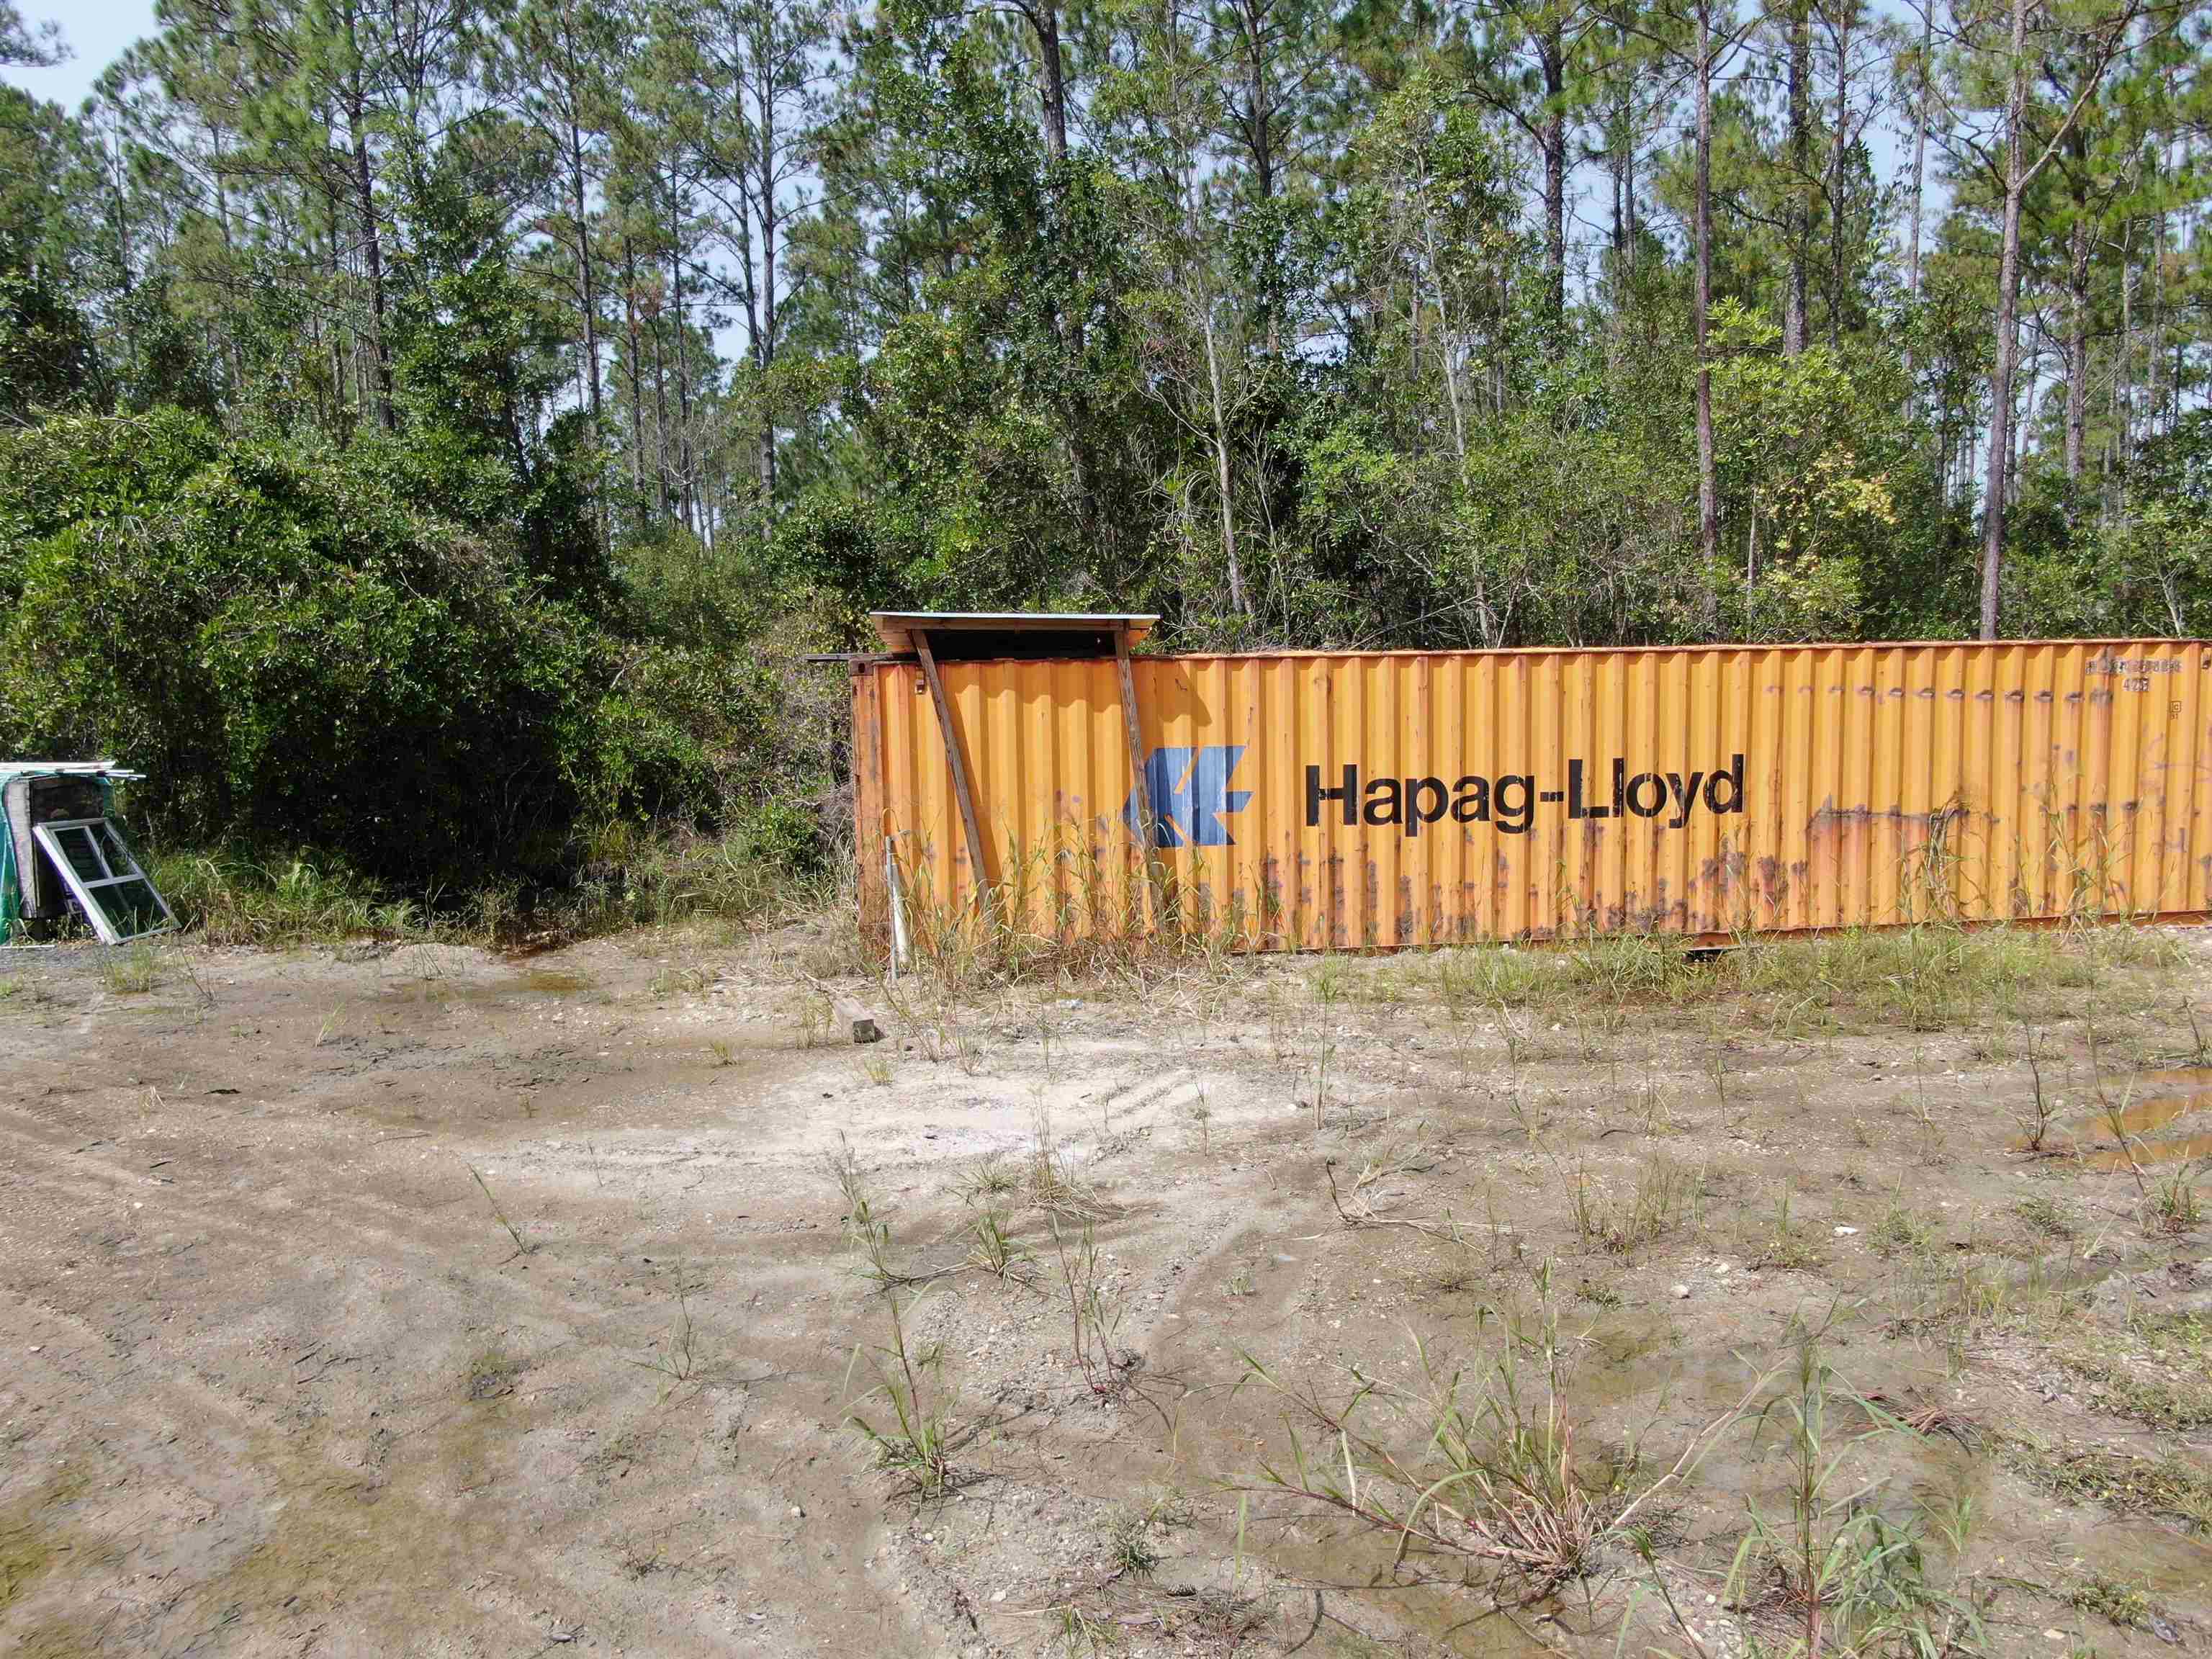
98,30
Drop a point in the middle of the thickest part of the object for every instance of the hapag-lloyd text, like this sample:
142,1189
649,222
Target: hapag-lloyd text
1510,801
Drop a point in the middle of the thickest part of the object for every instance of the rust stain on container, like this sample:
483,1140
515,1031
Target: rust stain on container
1705,791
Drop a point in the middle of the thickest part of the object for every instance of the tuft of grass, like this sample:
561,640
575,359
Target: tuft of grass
1332,982
230,898
1622,970
1903,1231
2159,1373
626,875
2186,1338
2128,1606
996,1251
622,876
868,1234
2041,1111
1480,977
2172,1202
994,1180
1129,1544
681,1355
491,1374
1931,976
913,1444
1054,1182
1064,910
1045,1177
1486,1489
1496,1488
1094,1312
133,969
680,978
1789,1243
1850,1577
1332,978
1936,975
2043,1214
639,1559
1623,1224
2125,1485
1080,1634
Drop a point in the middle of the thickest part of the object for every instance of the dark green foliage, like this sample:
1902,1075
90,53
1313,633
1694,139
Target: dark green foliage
47,359
299,655
296,655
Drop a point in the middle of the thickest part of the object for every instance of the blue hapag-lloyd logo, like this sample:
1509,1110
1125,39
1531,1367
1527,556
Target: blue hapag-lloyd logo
1191,795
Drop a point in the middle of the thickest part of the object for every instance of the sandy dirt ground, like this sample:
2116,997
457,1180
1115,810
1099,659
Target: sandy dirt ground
415,1300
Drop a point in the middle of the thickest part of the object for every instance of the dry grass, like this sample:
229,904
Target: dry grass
1480,1484
1623,1219
2169,1486
2157,1370
1044,1178
2005,982
905,1428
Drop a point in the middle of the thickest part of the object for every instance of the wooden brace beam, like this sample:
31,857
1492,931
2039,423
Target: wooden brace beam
962,789
1149,828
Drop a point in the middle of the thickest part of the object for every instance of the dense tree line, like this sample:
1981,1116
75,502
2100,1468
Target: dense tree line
701,326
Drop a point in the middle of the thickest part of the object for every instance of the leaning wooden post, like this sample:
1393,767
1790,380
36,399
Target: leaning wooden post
1148,826
962,790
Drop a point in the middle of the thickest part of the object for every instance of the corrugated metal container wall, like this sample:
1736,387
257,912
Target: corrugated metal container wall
1312,801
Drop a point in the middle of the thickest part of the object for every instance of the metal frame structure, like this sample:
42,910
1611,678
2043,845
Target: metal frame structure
929,636
100,837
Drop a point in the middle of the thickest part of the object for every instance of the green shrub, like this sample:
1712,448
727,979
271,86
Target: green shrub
298,657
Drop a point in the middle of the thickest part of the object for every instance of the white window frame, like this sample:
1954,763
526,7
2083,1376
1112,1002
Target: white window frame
102,834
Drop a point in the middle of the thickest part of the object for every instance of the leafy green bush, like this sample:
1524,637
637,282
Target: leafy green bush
300,658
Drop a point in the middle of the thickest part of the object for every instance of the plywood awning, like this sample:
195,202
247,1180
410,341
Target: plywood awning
969,636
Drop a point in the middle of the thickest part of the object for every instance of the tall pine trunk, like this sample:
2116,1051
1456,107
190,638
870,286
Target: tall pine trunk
686,494
1259,100
1919,186
1839,248
660,420
637,367
1550,58
2001,377
1920,149
587,294
1052,88
764,345
1236,599
1709,508
1797,212
372,259
2077,342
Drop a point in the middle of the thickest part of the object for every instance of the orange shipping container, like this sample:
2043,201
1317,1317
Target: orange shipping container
1317,801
